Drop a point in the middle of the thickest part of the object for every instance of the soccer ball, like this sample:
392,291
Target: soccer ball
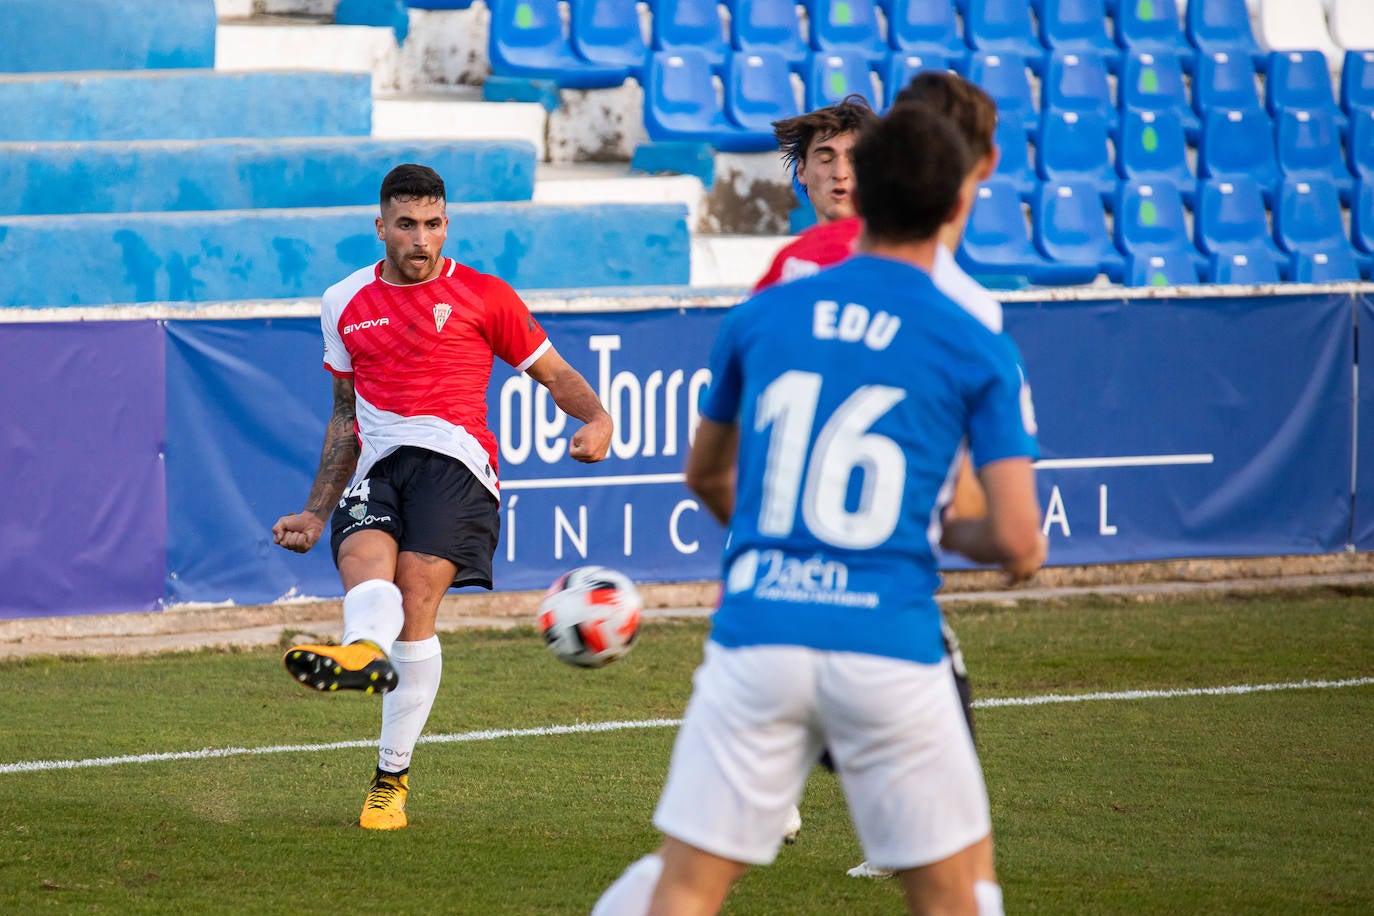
590,616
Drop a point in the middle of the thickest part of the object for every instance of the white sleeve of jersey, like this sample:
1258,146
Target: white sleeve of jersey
951,280
332,304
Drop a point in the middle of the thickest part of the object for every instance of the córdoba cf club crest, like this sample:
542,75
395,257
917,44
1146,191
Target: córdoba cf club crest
441,312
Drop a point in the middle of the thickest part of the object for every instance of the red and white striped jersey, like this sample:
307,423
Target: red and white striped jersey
420,357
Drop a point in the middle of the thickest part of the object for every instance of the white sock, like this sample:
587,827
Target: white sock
630,894
405,709
372,611
988,894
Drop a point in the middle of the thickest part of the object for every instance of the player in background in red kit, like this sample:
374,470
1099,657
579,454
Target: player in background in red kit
408,467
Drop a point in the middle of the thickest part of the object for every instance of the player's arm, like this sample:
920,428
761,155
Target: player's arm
338,461
711,467
575,398
1009,534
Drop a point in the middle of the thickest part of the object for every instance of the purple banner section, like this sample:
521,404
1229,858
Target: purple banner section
81,437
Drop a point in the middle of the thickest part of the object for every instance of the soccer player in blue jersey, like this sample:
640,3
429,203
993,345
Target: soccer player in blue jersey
828,445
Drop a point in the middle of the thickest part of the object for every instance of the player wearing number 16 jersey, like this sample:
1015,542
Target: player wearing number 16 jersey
829,442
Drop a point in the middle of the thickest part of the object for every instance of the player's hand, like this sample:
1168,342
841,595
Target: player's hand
1022,569
298,532
590,443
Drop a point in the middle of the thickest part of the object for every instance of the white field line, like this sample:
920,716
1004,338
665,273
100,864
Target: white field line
583,728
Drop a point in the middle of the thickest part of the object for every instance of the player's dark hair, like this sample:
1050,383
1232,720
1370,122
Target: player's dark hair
795,135
962,101
908,169
411,181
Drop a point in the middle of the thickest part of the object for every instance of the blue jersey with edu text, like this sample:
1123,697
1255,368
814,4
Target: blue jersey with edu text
856,392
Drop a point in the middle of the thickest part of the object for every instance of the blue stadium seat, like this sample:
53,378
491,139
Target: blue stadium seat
899,67
1308,144
925,27
1362,219
607,33
829,76
1149,219
1152,149
1014,163
1360,145
1152,81
846,25
1357,81
528,39
1078,82
1239,144
1308,225
1246,269
1077,25
768,25
1168,268
1003,27
689,24
1222,25
680,102
1151,26
1224,80
1069,228
996,247
1230,220
758,89
1074,147
1004,77
1300,80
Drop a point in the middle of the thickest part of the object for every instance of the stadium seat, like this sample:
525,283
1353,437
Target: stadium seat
1352,25
1078,82
996,248
1004,77
1362,218
1077,25
1239,144
1308,145
1152,149
1069,228
1222,25
1360,145
607,33
846,25
528,39
1153,81
758,90
1289,25
899,67
680,104
689,24
1230,220
1170,268
1300,80
770,25
1003,27
1074,147
925,27
829,76
1308,225
1357,80
1149,219
1014,163
1243,269
1151,26
1224,80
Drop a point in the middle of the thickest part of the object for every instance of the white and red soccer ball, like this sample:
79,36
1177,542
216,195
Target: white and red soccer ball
589,617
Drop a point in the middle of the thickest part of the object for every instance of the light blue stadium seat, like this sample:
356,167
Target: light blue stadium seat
1357,81
1239,144
1078,82
1077,25
1014,164
1231,220
846,25
1149,220
1300,80
1242,268
758,89
924,27
1308,144
607,33
1152,26
997,249
1163,268
829,76
1153,81
528,39
680,102
1069,228
689,24
1360,144
1308,225
1074,147
1224,80
769,25
899,67
1151,148
1222,25
1003,27
1004,78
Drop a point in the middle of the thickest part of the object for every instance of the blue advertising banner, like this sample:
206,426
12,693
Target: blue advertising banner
1363,528
81,437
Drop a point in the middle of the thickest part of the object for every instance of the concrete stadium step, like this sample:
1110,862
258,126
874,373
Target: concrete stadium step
264,44
290,254
43,36
732,262
183,105
458,116
589,183
159,175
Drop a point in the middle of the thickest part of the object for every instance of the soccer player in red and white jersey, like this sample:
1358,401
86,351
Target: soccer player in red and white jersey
409,465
